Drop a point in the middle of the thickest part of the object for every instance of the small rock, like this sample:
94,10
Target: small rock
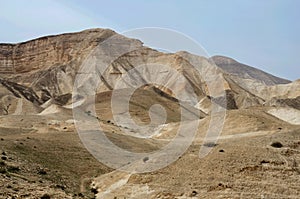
193,194
145,159
264,162
276,145
210,144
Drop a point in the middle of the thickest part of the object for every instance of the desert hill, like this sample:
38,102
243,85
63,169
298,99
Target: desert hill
45,82
44,69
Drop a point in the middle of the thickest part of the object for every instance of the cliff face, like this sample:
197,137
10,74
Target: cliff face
6,59
44,68
49,51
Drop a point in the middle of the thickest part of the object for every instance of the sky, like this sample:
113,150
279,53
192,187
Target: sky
261,33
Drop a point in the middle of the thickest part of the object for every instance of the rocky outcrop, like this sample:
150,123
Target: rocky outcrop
285,102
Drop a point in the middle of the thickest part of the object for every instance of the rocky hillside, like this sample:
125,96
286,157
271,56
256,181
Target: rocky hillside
43,70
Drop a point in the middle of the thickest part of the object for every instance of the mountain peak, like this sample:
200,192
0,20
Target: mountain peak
219,59
235,68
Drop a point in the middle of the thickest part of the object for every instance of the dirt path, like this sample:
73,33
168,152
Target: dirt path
110,182
19,108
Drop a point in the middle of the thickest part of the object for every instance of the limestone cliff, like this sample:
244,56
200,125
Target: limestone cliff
48,51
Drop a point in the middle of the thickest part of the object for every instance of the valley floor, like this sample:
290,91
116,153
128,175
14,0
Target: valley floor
43,158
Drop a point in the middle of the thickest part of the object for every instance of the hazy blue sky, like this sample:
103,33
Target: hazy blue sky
262,33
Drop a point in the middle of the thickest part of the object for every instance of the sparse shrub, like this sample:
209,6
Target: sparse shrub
15,189
13,169
62,187
2,163
94,190
45,196
3,158
42,172
5,109
88,113
295,166
3,170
